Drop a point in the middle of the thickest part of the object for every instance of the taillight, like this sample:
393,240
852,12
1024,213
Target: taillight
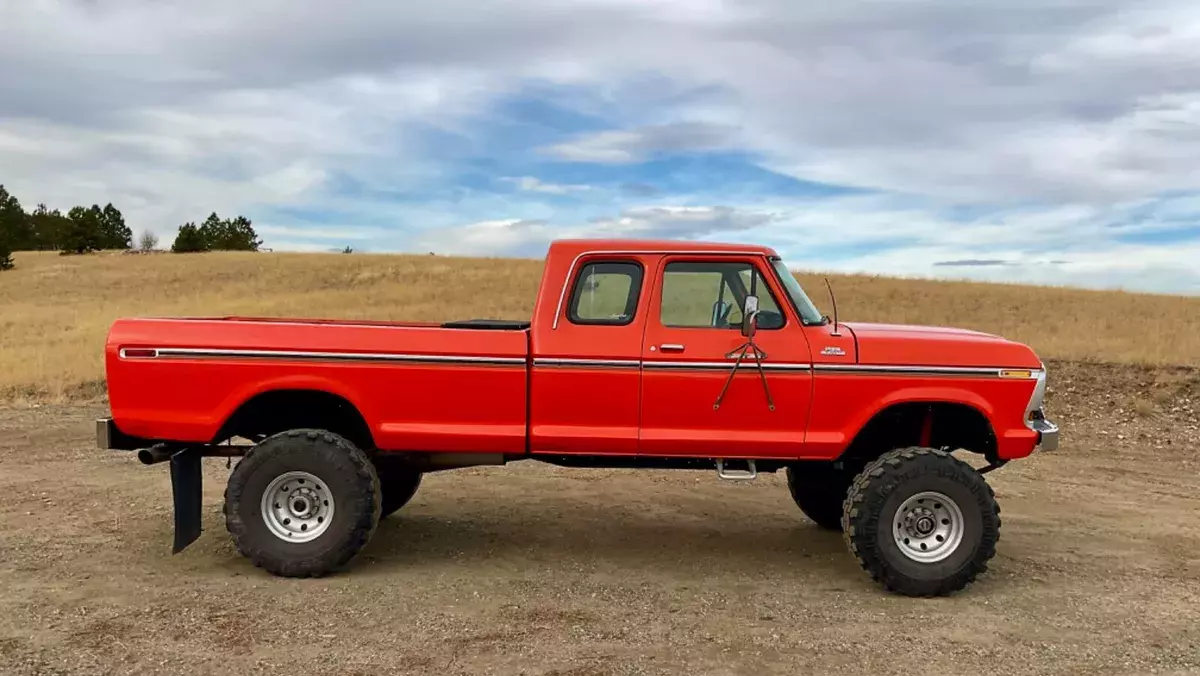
139,353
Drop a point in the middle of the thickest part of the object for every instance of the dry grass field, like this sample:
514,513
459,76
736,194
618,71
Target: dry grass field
55,310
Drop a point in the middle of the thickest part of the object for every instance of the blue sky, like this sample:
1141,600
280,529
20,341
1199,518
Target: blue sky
1011,141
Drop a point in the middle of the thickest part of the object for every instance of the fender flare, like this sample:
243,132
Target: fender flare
243,395
921,395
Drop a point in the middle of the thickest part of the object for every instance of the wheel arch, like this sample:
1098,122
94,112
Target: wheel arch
953,423
294,405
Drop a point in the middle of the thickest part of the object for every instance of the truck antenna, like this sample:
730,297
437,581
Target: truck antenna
833,299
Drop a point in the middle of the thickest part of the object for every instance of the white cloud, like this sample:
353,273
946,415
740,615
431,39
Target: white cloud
1074,245
533,184
1082,112
289,237
508,236
531,237
622,147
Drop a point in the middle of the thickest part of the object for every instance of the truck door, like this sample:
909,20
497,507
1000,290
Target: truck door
688,353
586,377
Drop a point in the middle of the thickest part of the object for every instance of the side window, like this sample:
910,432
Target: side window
606,294
711,295
769,315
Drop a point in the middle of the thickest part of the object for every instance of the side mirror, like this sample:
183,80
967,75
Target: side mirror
750,325
750,317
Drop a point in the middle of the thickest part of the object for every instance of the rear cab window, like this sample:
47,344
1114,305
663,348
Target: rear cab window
606,293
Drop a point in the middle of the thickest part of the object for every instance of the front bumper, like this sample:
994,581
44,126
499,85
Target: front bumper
1047,433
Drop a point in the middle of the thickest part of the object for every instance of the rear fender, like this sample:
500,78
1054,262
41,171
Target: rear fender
242,395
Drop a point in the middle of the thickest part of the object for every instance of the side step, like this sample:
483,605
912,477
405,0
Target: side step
748,474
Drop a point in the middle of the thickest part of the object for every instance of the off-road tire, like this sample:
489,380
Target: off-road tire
398,484
351,479
870,513
819,492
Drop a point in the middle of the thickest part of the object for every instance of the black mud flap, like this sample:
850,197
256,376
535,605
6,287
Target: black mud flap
185,490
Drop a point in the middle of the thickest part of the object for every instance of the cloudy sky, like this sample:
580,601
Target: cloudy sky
1055,141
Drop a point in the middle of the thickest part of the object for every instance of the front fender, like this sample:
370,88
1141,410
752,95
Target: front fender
844,404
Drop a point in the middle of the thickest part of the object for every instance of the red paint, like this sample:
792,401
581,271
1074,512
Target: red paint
627,409
926,429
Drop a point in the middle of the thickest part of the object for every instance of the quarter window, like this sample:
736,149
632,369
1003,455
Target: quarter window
712,294
606,294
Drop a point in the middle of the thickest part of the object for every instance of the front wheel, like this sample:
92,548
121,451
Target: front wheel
302,503
921,522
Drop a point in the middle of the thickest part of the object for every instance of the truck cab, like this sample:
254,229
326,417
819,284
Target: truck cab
654,354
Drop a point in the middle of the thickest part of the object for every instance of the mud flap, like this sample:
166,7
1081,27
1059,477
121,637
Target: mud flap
185,490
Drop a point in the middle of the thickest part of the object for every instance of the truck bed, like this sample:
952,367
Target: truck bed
431,387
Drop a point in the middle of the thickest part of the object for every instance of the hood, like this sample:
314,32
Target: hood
907,345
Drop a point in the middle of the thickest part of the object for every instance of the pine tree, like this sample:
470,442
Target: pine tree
85,233
116,235
240,235
211,231
14,226
48,228
189,240
229,235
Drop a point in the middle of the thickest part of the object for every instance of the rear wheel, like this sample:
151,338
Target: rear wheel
921,522
302,503
819,491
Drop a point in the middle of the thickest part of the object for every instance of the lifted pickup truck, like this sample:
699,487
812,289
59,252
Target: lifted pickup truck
640,354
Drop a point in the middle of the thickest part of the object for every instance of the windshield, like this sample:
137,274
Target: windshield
808,312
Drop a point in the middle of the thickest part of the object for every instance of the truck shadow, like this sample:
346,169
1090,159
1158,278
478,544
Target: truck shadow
588,537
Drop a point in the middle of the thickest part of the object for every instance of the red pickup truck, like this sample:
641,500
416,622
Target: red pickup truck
640,354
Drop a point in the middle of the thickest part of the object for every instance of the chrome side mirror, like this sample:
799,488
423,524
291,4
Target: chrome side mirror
750,317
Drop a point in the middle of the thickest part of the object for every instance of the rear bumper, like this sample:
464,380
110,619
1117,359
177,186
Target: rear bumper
1047,434
109,437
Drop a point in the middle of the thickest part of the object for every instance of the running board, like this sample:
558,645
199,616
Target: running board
748,474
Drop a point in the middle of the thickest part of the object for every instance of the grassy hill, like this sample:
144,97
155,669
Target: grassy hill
55,310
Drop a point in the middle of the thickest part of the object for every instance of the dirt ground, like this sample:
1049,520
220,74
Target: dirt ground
530,569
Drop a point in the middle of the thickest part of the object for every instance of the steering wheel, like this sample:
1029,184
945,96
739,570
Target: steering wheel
768,319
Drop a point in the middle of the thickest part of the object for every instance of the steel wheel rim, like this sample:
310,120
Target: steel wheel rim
928,527
297,507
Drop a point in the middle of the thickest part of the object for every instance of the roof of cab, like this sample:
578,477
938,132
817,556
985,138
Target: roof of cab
575,247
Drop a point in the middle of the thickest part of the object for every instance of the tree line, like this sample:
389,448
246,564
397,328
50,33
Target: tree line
86,229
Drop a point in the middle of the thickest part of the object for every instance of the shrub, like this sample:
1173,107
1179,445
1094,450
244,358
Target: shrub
6,261
147,242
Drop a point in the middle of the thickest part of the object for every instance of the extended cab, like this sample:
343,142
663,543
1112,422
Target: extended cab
639,354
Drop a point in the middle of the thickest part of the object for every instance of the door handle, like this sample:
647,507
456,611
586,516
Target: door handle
671,347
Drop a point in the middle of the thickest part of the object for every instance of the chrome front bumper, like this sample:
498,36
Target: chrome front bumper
1047,433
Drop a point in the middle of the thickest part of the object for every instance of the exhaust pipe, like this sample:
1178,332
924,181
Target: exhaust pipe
154,454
